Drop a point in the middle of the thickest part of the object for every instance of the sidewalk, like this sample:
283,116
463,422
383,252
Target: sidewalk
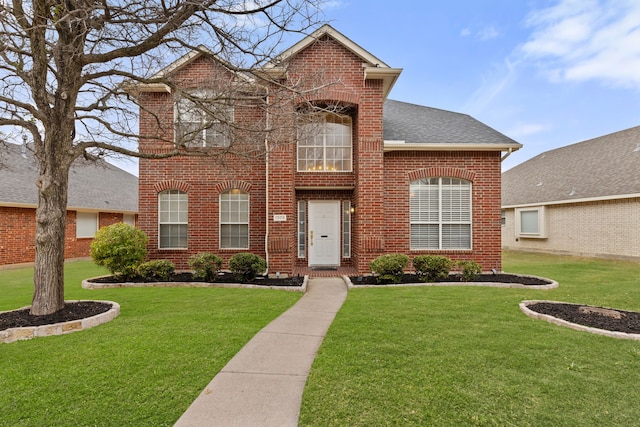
262,385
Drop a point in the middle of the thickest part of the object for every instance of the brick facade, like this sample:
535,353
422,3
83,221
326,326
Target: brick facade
17,228
377,187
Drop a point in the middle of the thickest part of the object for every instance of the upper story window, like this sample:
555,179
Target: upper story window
440,213
324,143
173,212
203,120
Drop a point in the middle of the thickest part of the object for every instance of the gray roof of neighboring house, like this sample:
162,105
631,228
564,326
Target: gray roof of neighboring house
416,124
603,167
93,185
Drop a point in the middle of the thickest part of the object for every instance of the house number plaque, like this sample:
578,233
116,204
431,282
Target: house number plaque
279,217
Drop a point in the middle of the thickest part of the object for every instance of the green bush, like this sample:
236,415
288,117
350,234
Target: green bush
205,266
161,270
246,266
470,270
389,268
121,248
432,268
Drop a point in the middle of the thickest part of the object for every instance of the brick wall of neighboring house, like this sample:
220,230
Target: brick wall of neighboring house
606,229
17,231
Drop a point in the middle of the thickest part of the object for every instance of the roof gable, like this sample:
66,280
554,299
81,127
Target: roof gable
600,168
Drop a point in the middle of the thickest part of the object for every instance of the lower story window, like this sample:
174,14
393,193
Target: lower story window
86,224
172,214
234,219
440,213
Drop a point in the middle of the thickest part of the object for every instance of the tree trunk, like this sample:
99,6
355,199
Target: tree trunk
51,218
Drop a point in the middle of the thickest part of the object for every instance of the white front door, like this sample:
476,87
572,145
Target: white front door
324,233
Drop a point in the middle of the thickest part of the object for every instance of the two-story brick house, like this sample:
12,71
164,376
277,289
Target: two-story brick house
329,174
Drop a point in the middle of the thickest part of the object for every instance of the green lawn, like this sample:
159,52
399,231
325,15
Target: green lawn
400,356
468,356
144,368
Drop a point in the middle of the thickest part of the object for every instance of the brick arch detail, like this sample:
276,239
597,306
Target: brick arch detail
223,186
172,184
442,171
344,97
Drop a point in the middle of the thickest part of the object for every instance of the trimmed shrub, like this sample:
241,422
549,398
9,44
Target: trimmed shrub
246,266
470,270
205,266
121,248
432,268
389,268
160,269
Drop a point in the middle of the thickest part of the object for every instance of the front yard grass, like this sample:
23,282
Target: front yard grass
468,356
144,368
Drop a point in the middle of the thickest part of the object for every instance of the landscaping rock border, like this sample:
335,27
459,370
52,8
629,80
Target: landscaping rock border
26,333
552,284
560,322
88,284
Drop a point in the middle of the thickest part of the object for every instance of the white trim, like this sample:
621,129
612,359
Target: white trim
573,201
403,146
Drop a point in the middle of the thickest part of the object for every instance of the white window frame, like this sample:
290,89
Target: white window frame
173,212
238,217
321,150
302,228
346,229
207,128
87,224
531,222
428,212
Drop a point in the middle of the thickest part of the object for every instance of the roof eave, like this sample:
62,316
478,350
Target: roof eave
573,201
389,76
402,146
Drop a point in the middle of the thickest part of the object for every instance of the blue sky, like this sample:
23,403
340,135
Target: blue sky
546,73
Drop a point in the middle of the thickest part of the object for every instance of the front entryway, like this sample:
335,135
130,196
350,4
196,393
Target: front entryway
324,233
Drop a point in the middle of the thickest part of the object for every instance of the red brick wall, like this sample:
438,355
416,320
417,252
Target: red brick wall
481,168
379,181
17,235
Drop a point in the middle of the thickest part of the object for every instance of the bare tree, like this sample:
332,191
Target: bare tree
66,72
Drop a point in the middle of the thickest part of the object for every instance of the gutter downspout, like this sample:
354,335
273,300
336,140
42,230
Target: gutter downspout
266,181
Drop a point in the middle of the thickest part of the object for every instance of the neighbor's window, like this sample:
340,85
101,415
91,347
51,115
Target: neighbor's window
324,143
203,120
86,224
173,212
129,219
530,222
440,213
234,220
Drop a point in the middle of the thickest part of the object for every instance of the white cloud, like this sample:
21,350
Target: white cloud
484,34
580,40
493,85
521,130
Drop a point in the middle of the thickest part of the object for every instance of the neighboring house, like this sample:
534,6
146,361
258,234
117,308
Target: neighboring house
99,194
582,199
358,177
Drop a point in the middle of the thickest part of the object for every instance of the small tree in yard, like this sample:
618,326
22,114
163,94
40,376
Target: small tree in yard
68,72
121,248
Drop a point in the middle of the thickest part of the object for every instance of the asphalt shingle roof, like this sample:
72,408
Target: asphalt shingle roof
92,185
602,167
416,124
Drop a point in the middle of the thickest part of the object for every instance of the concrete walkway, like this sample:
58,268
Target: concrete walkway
262,385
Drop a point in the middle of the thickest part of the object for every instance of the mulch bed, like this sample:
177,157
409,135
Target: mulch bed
72,311
629,321
223,277
499,277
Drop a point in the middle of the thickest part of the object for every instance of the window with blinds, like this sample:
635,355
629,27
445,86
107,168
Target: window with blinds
440,213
